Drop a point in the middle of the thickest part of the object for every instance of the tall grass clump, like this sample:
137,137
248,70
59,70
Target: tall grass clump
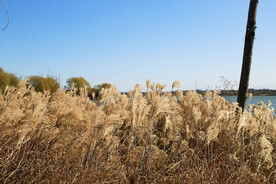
156,137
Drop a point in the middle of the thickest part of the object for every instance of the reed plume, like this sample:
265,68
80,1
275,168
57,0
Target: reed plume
157,137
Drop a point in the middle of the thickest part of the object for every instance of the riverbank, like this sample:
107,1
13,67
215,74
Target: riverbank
254,92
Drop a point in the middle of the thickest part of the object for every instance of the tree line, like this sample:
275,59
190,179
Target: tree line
50,84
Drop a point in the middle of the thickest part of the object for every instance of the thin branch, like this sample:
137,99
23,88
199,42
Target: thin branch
7,11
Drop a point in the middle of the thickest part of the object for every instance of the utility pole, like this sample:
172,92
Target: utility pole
247,53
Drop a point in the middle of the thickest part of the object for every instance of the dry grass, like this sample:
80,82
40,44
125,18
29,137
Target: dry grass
65,138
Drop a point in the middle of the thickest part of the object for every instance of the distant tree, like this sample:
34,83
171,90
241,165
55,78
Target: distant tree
37,82
51,84
97,89
14,81
4,80
79,82
103,86
42,84
7,79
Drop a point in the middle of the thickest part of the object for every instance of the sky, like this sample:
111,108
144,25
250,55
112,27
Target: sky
125,42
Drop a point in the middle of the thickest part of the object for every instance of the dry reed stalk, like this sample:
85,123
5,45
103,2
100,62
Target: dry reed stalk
65,137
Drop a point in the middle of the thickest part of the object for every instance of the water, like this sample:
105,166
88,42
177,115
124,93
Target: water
254,100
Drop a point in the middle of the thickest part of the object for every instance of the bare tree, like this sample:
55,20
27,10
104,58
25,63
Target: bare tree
7,11
247,53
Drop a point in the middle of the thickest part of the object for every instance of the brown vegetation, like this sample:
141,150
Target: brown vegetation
155,138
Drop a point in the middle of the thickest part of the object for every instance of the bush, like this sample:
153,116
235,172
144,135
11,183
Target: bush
42,84
7,79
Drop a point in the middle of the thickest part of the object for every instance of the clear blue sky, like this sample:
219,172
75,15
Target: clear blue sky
125,42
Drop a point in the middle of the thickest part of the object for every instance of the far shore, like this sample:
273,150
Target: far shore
254,92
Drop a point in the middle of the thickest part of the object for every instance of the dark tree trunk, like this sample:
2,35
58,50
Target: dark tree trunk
247,53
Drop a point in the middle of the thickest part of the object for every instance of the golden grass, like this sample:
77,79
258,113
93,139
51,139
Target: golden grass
133,138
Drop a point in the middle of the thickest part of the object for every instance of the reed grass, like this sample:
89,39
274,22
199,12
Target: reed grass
154,138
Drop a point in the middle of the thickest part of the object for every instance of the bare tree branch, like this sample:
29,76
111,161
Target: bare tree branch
7,11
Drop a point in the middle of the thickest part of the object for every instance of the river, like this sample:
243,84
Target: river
255,100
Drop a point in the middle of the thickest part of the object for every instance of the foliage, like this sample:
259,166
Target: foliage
51,84
14,81
77,82
94,92
103,86
155,138
42,84
4,79
7,79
